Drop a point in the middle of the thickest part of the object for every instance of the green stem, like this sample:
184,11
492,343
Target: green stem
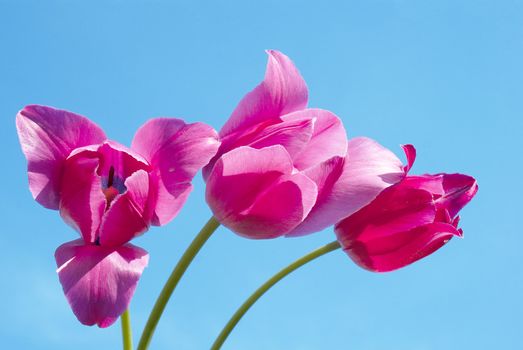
173,280
127,334
266,286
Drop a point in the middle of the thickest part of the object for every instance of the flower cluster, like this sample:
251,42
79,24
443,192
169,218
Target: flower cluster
276,168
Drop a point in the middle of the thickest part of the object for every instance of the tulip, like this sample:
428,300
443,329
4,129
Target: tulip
407,221
285,169
109,194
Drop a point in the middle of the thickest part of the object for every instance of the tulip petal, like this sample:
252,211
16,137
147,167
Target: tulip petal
254,193
329,138
241,174
368,169
279,209
410,153
394,251
282,91
293,135
176,151
99,282
396,209
122,161
459,190
452,191
47,137
127,218
82,201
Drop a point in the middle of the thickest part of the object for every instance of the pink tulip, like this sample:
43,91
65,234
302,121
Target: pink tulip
407,221
109,194
285,169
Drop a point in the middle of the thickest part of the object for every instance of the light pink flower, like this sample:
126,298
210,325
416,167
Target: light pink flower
407,221
285,169
110,194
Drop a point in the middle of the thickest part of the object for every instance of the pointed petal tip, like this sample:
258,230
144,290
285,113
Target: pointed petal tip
282,91
410,153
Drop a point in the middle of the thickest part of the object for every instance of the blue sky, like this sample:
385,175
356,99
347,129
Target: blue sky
443,75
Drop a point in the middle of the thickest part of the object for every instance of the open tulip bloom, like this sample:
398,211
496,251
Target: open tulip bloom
276,169
288,169
109,194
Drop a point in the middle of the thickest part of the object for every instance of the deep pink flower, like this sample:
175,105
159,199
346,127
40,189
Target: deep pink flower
109,194
407,221
284,169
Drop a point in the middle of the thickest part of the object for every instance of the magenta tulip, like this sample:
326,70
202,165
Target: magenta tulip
285,169
110,194
407,221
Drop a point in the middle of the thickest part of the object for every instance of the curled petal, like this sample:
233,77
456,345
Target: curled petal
255,194
277,210
99,282
385,253
328,139
120,160
368,169
282,91
47,137
459,190
293,135
127,215
241,175
451,191
324,176
176,151
82,201
410,153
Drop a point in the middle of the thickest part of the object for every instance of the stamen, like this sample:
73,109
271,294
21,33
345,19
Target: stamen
110,180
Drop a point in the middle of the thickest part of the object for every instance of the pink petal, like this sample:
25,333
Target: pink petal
396,209
451,191
410,153
329,138
85,176
82,201
368,169
240,175
176,151
282,91
388,253
459,191
293,135
254,193
99,282
47,136
127,216
279,209
123,160
324,175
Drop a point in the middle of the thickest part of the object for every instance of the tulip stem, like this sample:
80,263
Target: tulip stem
173,280
127,334
266,286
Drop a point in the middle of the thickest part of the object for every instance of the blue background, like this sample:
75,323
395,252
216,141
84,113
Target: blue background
443,75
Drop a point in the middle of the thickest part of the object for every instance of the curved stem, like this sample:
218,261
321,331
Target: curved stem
127,334
266,286
173,280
